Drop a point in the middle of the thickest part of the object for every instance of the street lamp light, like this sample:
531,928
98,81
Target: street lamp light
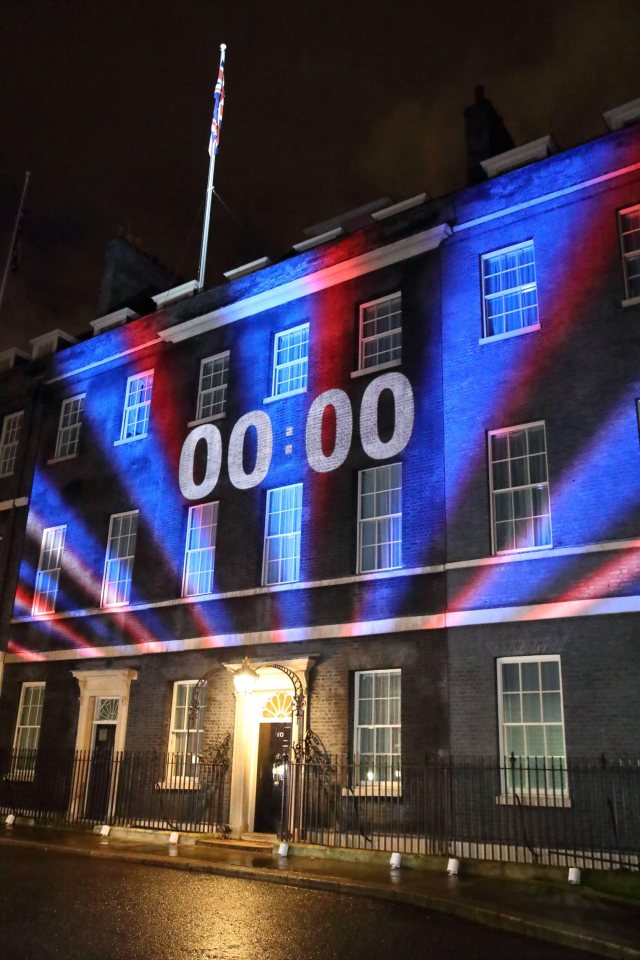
244,679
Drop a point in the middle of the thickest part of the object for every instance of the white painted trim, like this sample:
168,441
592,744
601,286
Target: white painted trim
246,268
631,302
319,238
400,207
377,259
281,396
139,436
545,198
509,334
521,156
605,547
562,609
111,320
618,117
68,456
534,554
381,366
198,423
101,363
176,293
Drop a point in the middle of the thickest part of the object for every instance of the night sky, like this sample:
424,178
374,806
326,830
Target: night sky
328,106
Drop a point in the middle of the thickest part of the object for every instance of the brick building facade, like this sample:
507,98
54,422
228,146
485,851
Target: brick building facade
402,463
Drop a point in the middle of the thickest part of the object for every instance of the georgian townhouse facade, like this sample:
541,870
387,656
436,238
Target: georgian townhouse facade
398,471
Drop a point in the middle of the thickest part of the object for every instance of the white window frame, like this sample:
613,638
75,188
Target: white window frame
395,361
204,556
275,392
141,424
519,288
628,257
68,438
378,520
9,442
113,561
369,783
26,769
537,484
219,392
49,566
281,538
532,793
181,763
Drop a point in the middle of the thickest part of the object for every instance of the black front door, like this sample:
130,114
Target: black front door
100,774
275,738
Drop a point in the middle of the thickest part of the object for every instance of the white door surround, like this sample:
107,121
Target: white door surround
97,685
249,716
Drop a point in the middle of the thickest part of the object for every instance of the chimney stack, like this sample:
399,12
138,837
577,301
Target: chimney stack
485,134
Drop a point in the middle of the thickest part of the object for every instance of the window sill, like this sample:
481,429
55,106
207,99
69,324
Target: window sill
214,416
69,456
373,790
363,371
631,302
510,553
511,333
139,436
281,396
534,799
364,573
179,783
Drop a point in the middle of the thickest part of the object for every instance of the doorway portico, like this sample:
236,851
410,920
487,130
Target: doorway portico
265,718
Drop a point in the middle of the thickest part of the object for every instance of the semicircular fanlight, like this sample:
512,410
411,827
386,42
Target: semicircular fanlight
279,707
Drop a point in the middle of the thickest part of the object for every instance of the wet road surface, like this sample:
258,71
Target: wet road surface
66,907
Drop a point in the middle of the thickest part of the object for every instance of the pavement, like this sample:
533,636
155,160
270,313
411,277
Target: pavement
544,909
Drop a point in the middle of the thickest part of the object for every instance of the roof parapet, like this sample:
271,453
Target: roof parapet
622,116
519,156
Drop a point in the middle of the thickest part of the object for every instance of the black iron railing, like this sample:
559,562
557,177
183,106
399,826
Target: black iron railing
121,789
536,810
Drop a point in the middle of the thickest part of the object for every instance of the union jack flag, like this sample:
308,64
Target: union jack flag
218,106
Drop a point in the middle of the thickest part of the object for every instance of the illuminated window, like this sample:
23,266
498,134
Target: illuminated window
135,416
290,361
186,732
380,518
518,478
380,333
629,222
68,439
281,562
200,551
212,390
531,723
509,293
11,428
376,738
48,576
118,564
27,735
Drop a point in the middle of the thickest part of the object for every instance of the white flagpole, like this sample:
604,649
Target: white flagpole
209,195
13,237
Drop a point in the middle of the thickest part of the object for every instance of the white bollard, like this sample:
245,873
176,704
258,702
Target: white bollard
453,866
396,861
574,875
283,850
174,836
11,819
